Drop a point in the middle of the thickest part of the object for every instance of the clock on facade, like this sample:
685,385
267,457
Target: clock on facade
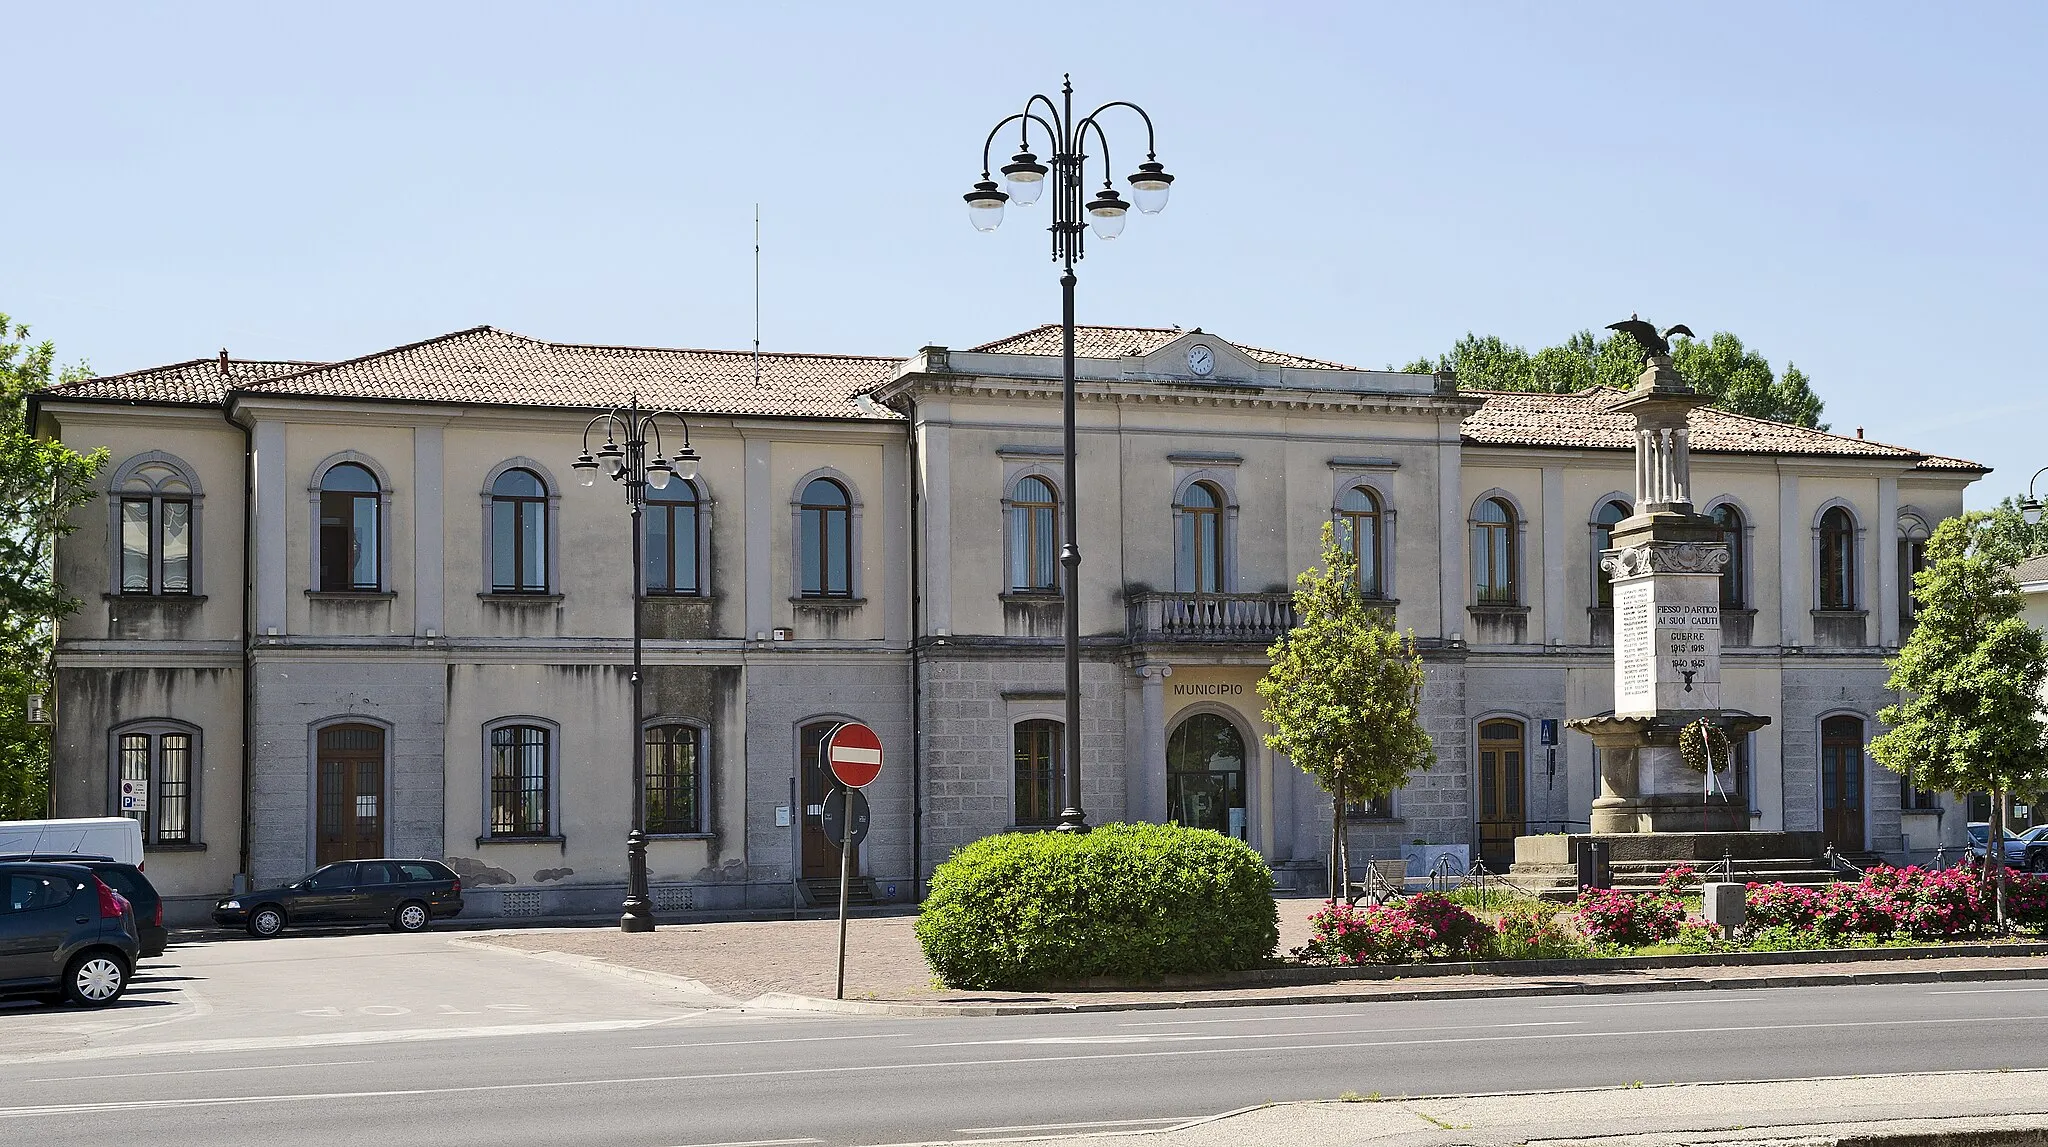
1201,359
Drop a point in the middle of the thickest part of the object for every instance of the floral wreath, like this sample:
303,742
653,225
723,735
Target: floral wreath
1704,743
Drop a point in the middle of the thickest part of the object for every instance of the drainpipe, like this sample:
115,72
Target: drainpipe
916,674
248,654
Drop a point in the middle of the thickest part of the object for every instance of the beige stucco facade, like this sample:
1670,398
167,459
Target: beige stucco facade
930,642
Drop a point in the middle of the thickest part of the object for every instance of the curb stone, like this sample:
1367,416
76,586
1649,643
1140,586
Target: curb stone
788,1001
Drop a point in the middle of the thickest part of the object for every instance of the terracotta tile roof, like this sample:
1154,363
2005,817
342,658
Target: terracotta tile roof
1582,420
1943,462
198,382
490,366
2032,571
1117,342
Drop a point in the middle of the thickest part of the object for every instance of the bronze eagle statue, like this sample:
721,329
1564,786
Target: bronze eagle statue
1647,335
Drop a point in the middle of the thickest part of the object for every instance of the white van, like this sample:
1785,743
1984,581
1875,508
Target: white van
115,837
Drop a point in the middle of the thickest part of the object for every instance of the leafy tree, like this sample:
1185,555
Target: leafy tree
1738,378
41,483
1343,695
1971,676
2011,530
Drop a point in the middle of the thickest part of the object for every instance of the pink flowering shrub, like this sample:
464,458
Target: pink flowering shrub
1395,932
1530,932
2026,899
1627,919
1677,879
1780,906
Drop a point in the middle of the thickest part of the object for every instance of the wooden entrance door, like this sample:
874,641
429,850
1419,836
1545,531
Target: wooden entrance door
1841,782
1502,815
350,795
816,785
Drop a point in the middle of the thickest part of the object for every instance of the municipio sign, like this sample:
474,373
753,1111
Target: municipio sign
854,753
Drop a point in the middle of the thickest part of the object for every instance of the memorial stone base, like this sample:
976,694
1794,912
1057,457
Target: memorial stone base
1548,865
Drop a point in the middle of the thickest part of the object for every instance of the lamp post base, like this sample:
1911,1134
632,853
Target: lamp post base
1072,820
637,913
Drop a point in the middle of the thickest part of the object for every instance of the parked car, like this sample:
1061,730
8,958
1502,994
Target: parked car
118,837
128,880
2028,848
405,894
64,933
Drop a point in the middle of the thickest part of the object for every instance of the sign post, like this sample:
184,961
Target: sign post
854,753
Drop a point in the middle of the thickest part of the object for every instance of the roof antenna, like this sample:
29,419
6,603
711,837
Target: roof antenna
757,294
223,362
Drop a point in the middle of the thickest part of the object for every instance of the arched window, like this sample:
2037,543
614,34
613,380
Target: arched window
154,769
1913,535
351,525
1038,772
1494,555
826,527
522,781
673,778
519,533
1205,775
1734,590
670,544
1360,529
157,527
1837,559
1610,513
1198,559
1034,537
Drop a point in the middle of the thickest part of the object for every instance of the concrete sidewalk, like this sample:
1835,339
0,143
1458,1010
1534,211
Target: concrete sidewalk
790,965
1962,1109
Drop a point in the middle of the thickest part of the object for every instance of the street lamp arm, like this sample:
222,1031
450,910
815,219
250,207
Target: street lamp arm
651,424
1080,136
1057,129
1151,140
611,432
1006,121
2034,479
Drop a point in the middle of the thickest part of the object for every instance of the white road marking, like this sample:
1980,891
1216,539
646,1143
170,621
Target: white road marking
1980,991
1163,1036
1077,1126
116,1106
330,1039
751,1042
1633,1004
204,1071
756,1143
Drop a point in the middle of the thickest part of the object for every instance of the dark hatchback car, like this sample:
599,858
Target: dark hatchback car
64,933
405,894
129,881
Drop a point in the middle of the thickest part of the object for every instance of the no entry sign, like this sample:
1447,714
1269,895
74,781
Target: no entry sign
855,754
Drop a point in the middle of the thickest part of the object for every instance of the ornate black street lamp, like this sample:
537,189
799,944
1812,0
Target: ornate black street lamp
1104,212
629,464
2030,506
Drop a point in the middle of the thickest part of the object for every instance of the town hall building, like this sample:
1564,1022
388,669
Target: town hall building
365,608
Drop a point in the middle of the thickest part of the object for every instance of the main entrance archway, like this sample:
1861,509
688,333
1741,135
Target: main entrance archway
1503,812
1205,775
349,771
1841,782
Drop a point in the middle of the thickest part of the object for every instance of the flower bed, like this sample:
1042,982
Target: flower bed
1887,907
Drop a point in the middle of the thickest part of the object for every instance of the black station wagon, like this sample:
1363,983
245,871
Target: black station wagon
404,894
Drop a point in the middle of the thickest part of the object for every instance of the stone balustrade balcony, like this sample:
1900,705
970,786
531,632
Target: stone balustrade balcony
1244,618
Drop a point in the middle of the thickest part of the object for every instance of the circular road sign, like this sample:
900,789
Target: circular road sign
835,821
855,754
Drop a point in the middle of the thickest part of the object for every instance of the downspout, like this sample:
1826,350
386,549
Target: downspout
248,654
916,671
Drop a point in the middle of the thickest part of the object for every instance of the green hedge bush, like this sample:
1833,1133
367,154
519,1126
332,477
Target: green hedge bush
1130,901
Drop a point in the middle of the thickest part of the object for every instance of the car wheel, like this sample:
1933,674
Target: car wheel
2038,861
266,922
95,979
412,916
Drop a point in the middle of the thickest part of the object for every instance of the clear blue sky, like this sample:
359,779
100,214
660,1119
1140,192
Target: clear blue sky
1856,188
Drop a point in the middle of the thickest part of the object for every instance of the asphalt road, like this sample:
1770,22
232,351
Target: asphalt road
395,1040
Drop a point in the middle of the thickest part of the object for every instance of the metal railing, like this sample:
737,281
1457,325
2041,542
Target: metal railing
1245,617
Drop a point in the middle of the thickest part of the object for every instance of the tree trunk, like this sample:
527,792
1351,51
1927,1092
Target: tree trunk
1344,846
1339,892
1994,855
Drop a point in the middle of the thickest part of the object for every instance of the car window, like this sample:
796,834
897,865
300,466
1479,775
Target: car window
374,873
334,876
119,880
30,892
419,872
